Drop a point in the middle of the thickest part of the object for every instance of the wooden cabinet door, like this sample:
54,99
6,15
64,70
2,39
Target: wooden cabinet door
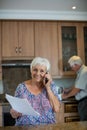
60,115
46,43
70,43
83,39
17,39
26,39
0,54
9,39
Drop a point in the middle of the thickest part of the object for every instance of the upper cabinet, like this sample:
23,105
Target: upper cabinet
55,40
17,39
70,43
0,54
46,43
84,38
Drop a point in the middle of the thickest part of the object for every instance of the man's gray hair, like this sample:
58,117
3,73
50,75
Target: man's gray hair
40,61
75,60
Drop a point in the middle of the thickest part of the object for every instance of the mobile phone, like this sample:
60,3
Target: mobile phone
46,79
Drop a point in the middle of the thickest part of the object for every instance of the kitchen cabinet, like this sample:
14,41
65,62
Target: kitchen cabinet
0,73
55,40
17,39
68,112
46,43
58,41
60,115
71,112
84,39
0,54
70,43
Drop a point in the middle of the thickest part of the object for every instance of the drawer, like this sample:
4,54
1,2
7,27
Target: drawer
70,107
71,119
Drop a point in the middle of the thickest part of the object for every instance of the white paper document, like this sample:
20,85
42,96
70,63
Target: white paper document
21,105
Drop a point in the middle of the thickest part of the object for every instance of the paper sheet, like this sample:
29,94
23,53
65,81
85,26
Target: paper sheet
21,105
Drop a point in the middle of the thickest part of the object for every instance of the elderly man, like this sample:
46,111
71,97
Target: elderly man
79,90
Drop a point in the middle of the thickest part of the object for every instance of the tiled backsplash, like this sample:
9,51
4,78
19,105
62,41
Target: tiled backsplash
65,83
12,76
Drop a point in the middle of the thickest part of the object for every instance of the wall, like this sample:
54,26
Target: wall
65,83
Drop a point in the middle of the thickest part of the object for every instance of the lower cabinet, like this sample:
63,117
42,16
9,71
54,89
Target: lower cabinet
68,112
60,114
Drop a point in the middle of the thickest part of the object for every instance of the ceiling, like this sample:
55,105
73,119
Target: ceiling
52,5
41,8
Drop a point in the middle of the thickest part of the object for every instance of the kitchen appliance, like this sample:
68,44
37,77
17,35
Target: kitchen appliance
13,73
6,116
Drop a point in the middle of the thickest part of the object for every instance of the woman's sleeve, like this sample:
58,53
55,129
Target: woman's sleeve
18,91
55,90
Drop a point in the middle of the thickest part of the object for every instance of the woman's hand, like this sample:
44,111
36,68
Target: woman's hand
15,114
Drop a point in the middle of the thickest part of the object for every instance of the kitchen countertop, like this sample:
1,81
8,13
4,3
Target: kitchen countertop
69,100
4,104
3,100
72,99
60,126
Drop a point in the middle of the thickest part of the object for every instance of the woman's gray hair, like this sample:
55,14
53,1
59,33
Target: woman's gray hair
75,60
40,61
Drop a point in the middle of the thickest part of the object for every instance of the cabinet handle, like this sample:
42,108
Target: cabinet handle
16,49
20,49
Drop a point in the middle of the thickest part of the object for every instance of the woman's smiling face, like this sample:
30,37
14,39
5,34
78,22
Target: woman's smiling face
38,72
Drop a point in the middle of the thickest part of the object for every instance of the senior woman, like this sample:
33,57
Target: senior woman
41,93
